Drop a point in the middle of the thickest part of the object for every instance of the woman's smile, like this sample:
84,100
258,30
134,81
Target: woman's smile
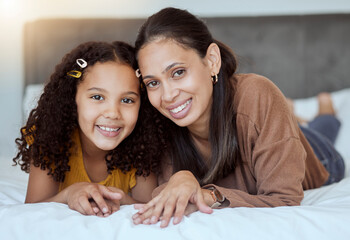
181,110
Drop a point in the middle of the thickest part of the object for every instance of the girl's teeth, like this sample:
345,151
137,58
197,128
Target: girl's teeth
108,129
179,108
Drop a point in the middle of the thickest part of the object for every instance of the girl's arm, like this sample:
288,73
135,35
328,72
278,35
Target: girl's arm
142,191
42,188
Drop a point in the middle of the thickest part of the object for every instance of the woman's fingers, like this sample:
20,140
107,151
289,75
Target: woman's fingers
150,204
167,213
181,205
202,206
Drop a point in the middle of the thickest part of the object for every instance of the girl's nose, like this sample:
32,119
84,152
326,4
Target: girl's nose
112,111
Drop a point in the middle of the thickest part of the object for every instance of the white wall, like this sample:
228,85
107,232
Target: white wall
14,13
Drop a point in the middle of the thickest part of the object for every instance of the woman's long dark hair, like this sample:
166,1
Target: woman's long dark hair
46,139
192,33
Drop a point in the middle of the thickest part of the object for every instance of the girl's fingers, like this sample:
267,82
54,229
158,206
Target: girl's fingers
111,192
86,205
100,201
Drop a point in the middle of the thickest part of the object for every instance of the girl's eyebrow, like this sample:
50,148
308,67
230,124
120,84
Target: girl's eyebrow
96,89
103,90
133,93
165,70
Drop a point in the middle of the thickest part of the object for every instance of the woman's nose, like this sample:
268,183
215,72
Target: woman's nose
169,93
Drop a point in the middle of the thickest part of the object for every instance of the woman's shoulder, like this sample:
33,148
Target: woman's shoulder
256,96
253,83
252,88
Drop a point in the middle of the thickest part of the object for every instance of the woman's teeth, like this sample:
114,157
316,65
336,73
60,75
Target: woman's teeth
108,129
181,107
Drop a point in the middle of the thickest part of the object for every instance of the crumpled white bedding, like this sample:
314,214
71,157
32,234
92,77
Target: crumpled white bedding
323,214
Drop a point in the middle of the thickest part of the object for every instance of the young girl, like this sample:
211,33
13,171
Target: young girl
233,141
78,144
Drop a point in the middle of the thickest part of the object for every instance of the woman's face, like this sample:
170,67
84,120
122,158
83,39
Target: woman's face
108,102
178,81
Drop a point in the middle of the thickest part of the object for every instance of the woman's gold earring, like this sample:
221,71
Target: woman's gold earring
215,79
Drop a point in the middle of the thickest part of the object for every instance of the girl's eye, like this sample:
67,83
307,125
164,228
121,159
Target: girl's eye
127,100
152,84
179,73
97,97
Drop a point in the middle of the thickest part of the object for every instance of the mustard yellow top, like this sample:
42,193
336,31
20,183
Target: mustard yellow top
124,181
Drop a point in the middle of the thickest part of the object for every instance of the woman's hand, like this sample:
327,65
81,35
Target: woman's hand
93,199
173,200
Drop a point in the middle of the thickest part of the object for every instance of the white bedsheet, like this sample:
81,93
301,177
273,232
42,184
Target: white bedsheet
323,214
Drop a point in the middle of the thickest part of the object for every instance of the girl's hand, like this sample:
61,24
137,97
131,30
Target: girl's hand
182,189
93,199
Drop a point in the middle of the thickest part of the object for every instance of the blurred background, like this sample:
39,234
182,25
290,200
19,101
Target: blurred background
15,13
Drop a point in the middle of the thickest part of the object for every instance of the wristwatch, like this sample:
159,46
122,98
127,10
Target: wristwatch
217,197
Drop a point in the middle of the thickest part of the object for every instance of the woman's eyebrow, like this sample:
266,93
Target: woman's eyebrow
171,66
165,70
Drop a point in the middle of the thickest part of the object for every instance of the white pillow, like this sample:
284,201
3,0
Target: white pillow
32,94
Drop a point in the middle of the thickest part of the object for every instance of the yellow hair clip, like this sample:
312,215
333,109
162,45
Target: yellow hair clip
28,135
74,73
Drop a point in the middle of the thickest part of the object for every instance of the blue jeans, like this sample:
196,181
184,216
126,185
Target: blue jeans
321,134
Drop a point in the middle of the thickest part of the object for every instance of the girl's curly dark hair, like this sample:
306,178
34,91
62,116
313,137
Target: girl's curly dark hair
51,124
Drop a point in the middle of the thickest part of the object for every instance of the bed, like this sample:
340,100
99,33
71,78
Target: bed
324,212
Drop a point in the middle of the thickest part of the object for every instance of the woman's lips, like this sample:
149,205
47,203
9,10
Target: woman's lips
181,110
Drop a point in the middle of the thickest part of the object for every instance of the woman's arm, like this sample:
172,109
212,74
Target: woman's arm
181,190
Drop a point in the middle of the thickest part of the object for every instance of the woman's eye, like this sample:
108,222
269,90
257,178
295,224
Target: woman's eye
179,73
97,97
127,100
152,84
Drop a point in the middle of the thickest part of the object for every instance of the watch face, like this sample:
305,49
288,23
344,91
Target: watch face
219,197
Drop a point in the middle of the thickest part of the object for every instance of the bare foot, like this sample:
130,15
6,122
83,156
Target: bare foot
291,107
325,104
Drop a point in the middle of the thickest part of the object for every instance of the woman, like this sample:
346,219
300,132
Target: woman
233,140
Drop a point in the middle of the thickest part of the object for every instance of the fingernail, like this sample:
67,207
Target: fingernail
146,221
137,221
104,210
154,219
163,223
176,220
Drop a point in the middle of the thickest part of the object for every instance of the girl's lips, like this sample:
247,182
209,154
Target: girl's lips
180,110
108,131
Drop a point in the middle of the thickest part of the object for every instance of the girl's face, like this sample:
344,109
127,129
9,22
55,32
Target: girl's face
108,102
178,81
